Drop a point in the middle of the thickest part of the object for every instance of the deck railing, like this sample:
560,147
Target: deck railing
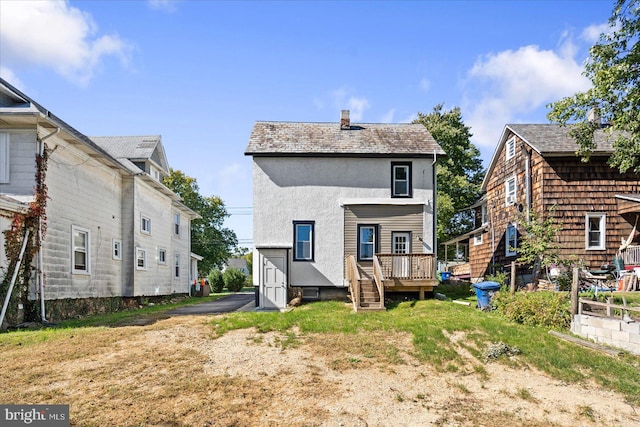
407,266
353,276
378,278
631,255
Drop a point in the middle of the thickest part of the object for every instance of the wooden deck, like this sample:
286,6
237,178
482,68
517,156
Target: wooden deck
391,272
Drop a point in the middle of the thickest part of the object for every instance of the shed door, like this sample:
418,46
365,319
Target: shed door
401,244
274,281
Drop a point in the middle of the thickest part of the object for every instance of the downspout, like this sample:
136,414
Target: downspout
14,276
435,211
528,183
40,260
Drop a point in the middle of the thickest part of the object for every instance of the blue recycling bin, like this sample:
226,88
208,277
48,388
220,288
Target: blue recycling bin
484,292
445,275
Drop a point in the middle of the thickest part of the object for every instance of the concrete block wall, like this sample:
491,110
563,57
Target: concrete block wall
614,332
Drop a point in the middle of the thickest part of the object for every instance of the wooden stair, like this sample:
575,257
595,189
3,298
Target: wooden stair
369,296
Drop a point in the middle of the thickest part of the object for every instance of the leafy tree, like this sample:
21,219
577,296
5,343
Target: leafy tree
539,246
614,70
459,174
209,238
234,279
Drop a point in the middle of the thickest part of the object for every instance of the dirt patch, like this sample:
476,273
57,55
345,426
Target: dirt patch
176,373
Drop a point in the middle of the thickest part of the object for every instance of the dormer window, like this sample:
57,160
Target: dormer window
511,147
401,185
155,173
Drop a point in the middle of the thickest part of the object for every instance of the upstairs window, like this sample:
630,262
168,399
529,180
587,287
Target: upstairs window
117,249
141,259
176,264
401,185
511,148
367,241
176,224
510,191
145,224
511,240
162,256
483,214
4,158
80,250
595,231
303,232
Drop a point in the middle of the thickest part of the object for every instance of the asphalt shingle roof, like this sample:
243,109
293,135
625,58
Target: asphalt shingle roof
327,139
552,138
128,147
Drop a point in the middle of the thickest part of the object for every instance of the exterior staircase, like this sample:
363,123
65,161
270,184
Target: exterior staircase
369,296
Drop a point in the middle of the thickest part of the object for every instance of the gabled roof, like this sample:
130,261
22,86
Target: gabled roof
549,140
134,148
328,140
239,263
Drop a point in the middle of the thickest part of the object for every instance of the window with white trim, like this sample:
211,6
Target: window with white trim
303,235
4,158
162,256
367,241
117,249
510,191
141,259
145,224
401,179
80,248
595,231
155,173
483,214
176,224
511,240
511,147
176,264
477,239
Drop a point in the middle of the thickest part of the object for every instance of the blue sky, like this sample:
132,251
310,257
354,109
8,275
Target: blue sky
200,73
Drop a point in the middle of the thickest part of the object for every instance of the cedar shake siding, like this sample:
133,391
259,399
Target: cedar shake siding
544,165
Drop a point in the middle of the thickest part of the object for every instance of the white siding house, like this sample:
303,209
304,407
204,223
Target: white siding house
110,221
309,179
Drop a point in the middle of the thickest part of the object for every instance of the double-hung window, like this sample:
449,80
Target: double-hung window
401,185
367,241
141,259
176,265
176,224
162,256
145,224
595,231
511,240
510,191
303,236
80,248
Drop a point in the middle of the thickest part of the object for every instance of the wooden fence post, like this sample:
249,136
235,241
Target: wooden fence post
575,285
513,277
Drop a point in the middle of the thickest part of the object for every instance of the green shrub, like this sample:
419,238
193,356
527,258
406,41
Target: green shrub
547,309
216,281
499,277
234,279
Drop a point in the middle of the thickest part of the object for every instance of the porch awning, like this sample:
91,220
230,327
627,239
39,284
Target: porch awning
628,203
466,236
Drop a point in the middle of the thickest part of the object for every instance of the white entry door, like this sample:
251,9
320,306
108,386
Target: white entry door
273,293
401,244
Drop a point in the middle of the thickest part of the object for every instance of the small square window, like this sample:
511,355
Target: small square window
145,225
117,249
477,239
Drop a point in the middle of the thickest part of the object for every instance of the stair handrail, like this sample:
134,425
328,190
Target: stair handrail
353,276
378,278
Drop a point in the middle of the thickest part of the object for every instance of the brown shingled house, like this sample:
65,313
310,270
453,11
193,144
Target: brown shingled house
534,167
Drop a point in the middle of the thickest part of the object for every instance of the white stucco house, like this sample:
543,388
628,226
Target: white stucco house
342,208
112,229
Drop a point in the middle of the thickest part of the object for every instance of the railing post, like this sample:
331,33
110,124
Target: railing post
575,285
513,277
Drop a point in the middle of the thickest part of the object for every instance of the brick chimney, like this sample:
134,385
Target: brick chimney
345,122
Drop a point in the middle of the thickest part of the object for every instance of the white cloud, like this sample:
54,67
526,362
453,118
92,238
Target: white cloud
388,117
54,35
357,107
592,33
169,6
344,99
513,85
425,84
